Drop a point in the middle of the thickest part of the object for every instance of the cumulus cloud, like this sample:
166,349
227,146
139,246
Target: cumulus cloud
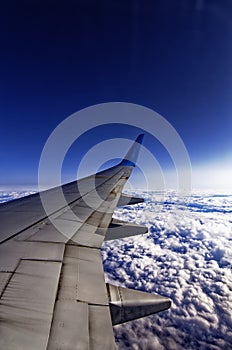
186,256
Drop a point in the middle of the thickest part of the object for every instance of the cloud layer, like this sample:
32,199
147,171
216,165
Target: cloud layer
186,256
6,196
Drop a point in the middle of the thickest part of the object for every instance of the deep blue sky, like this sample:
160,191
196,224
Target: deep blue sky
60,56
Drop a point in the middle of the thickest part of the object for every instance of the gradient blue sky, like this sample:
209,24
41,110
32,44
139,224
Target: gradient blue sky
60,56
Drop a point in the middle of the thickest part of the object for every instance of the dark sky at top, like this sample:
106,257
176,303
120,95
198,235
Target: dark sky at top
60,56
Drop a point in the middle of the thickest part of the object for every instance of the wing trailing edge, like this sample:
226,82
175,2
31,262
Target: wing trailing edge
128,304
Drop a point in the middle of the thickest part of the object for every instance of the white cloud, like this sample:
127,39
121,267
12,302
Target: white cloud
187,256
6,195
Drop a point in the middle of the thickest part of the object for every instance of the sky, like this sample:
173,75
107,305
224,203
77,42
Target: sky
173,57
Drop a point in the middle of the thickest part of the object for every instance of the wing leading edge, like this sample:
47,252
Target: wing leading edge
53,292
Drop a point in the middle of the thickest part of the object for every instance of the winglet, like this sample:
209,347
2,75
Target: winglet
132,155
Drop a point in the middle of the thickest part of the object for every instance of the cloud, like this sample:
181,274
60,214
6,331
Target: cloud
186,256
6,196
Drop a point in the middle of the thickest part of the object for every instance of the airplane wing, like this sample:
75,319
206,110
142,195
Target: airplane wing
52,288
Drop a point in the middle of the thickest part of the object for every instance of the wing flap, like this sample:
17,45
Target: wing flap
27,305
4,279
82,294
101,327
70,327
83,271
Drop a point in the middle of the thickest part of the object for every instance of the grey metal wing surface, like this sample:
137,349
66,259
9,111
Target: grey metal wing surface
53,293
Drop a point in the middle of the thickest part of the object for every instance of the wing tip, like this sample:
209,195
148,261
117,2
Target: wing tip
132,155
140,138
